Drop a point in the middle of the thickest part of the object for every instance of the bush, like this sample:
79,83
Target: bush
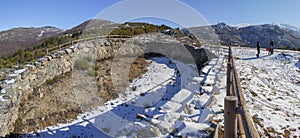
93,73
88,58
48,81
2,77
81,64
96,68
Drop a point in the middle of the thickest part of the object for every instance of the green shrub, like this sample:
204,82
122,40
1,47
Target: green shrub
93,73
96,68
48,81
81,64
88,58
2,77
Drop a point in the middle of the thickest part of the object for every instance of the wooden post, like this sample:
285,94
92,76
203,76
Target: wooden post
228,83
229,54
47,51
230,114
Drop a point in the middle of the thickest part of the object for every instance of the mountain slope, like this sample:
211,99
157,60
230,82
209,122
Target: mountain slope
88,25
20,38
284,36
228,34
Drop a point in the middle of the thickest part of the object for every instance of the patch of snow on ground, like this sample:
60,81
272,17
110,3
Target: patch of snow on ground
170,99
10,81
271,85
19,71
2,99
3,91
41,34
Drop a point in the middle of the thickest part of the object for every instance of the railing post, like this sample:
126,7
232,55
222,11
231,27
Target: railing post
230,114
229,54
228,83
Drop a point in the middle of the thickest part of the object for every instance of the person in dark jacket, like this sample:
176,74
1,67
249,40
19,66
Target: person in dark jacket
271,47
258,48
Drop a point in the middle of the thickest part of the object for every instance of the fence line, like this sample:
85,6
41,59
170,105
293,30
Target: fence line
242,118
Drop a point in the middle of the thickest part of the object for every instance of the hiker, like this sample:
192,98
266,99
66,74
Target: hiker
258,48
271,47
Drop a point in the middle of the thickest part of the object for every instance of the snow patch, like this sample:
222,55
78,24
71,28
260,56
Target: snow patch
10,81
19,71
41,34
3,91
2,99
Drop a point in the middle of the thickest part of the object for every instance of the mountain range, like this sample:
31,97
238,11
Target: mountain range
284,35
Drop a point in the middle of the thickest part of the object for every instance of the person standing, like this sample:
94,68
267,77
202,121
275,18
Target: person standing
258,48
271,47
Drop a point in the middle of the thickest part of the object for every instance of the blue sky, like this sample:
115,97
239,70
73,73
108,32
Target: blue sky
69,13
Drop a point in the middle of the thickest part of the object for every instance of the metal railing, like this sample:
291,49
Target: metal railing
238,121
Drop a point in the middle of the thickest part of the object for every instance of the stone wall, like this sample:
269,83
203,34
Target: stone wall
22,81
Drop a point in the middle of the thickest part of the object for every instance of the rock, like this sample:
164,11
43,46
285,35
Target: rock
69,51
49,58
24,75
85,49
41,95
30,67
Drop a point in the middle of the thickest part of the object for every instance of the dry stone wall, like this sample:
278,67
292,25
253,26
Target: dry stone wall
22,81
27,78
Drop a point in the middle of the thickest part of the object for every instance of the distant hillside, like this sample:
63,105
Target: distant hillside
20,38
284,36
228,34
89,25
37,43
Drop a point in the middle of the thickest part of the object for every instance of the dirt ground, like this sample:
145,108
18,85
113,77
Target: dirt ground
62,99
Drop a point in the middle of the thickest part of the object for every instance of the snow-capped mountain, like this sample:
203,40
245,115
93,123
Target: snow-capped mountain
241,25
290,27
284,36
